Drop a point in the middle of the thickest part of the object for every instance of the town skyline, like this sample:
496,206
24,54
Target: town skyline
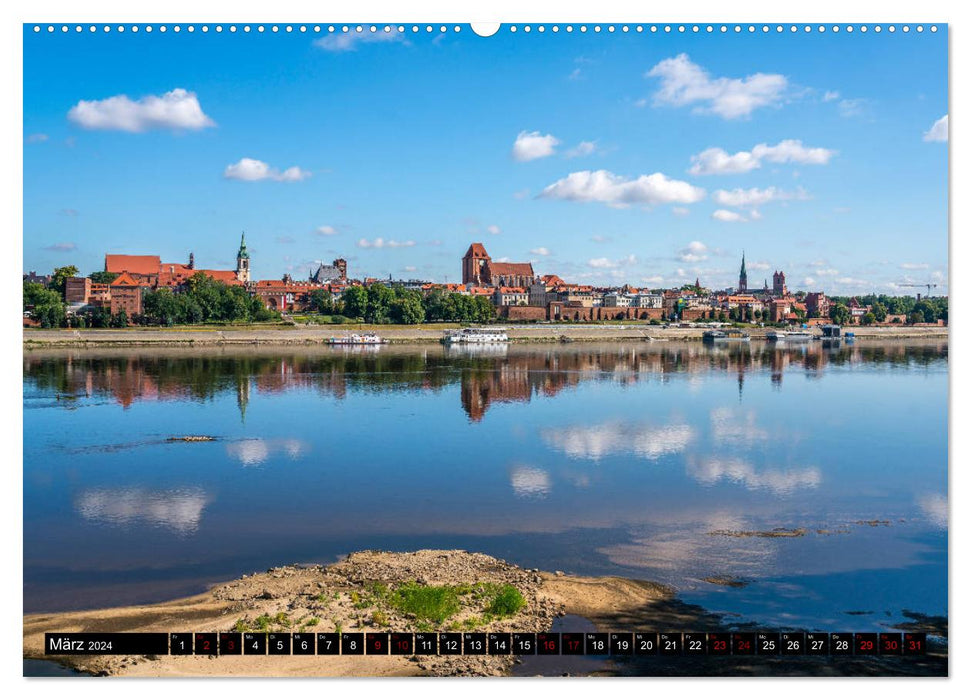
607,160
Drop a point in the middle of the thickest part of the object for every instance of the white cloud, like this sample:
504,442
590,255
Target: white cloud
177,109
680,211
614,190
726,215
686,83
827,272
830,95
36,138
608,264
716,161
410,268
851,108
914,266
350,40
696,251
599,238
808,281
252,170
381,243
938,132
540,251
326,231
494,230
531,145
584,148
754,196
757,265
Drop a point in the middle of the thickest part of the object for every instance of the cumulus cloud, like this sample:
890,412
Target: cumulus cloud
608,264
493,229
177,109
252,170
736,427
615,190
727,216
584,148
938,132
696,251
61,247
754,196
683,82
716,161
914,266
531,145
177,510
382,243
851,108
710,471
599,441
830,95
339,42
542,250
326,231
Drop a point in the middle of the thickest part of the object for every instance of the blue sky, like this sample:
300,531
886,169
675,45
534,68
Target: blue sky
606,158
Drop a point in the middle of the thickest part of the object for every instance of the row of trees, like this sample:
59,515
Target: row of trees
202,300
380,303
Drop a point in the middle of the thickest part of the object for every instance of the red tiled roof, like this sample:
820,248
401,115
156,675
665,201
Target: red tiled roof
476,250
498,268
227,276
124,280
136,264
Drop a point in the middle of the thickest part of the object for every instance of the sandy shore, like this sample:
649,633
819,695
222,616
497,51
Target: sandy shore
343,596
425,333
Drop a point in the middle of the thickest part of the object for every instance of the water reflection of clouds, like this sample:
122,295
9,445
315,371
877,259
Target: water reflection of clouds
934,508
711,470
252,452
736,427
530,482
599,441
177,510
693,552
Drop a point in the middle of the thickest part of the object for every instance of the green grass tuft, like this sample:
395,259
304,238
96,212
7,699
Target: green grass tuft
507,601
430,603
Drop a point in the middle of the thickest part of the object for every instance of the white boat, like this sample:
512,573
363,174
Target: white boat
775,336
358,339
477,336
799,337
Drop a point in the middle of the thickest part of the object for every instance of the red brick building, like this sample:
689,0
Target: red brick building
126,294
479,269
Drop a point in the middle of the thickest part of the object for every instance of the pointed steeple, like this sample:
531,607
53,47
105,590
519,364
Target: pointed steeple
742,276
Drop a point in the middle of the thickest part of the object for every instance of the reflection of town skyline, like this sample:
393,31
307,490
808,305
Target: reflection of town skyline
518,375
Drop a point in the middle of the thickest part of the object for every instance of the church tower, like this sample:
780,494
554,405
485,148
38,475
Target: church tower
242,261
742,276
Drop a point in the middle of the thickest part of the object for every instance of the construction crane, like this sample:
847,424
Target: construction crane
929,286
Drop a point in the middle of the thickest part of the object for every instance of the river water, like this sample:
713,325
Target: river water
663,461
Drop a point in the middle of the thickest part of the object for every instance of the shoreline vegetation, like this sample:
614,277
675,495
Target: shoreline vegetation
275,334
434,590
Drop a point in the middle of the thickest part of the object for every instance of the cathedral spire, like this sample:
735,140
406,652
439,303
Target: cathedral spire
742,276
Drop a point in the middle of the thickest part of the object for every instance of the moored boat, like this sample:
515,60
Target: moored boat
477,336
729,335
358,339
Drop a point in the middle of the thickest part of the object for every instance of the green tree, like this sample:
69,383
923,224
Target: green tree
355,302
869,318
915,316
161,307
102,277
839,314
407,309
879,312
120,320
321,301
60,275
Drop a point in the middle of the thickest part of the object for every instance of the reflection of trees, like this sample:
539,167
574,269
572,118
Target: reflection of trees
517,376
